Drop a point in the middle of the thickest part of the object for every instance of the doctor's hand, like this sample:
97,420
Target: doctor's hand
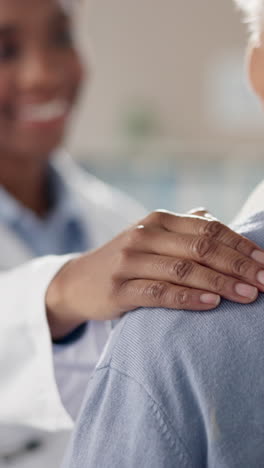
168,260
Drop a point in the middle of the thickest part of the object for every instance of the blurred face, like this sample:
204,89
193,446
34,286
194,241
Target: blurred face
255,65
40,74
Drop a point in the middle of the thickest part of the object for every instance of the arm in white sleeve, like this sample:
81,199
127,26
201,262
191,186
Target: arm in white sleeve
28,392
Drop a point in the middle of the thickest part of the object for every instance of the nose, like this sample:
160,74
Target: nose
39,73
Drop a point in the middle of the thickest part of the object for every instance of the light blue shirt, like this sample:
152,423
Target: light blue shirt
178,389
62,231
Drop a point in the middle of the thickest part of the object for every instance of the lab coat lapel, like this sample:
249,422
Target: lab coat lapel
93,198
98,229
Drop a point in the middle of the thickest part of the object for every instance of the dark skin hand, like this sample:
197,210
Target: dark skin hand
174,261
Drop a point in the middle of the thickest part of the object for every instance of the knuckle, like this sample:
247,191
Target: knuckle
159,217
157,290
181,269
240,266
135,236
119,268
242,246
212,228
217,282
123,258
198,211
182,298
203,246
155,217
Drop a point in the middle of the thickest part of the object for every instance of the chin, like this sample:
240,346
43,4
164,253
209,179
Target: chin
41,152
39,149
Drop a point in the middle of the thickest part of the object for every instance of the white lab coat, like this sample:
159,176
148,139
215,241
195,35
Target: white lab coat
29,392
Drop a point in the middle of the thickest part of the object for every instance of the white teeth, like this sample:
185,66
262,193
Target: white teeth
44,112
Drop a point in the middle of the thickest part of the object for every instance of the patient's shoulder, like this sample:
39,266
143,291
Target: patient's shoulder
150,345
204,370
186,360
176,339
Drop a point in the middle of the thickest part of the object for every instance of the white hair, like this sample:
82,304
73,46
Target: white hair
254,15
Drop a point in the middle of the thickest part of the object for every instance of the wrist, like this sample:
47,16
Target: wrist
61,319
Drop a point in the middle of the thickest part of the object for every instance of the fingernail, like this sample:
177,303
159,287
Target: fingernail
213,299
245,290
258,256
260,277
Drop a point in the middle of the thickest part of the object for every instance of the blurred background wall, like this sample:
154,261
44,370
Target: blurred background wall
168,115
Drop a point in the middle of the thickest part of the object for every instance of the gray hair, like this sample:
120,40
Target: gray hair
253,11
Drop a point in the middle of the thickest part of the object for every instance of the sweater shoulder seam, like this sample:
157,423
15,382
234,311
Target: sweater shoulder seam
166,428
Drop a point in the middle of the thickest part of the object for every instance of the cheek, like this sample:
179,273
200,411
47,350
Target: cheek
7,96
77,73
5,87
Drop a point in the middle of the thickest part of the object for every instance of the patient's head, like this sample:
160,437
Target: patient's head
254,16
40,74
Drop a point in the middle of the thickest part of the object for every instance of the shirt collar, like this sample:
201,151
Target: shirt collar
63,202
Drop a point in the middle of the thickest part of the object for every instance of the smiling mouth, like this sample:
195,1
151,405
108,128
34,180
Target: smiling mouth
44,112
